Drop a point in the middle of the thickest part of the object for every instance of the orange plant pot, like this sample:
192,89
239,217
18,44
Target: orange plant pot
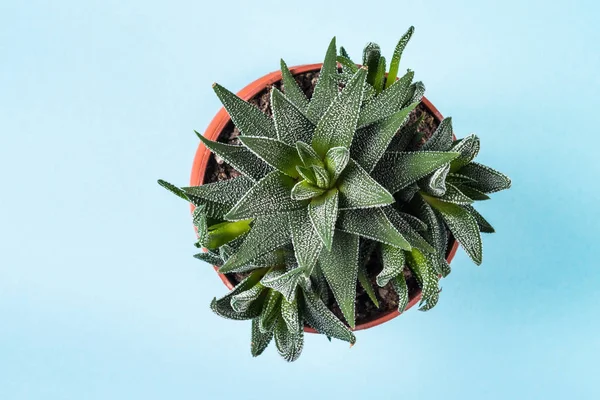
218,124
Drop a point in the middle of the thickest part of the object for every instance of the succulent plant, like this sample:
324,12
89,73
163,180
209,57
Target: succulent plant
326,182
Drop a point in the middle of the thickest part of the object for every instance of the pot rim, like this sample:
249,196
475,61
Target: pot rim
221,119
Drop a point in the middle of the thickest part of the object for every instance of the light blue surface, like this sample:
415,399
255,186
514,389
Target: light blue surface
100,297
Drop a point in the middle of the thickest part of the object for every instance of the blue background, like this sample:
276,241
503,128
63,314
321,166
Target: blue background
99,294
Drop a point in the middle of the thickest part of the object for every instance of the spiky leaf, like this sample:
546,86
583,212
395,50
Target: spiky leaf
285,283
321,176
371,56
326,89
307,243
372,141
347,64
468,148
246,117
308,155
270,195
340,267
318,316
371,224
323,213
243,301
365,282
225,232
289,343
484,225
407,231
393,260
395,63
426,276
462,225
396,170
209,258
487,180
380,75
292,90
276,153
336,160
304,190
307,173
239,157
455,196
290,122
260,340
401,288
441,140
359,190
267,234
389,102
435,183
223,307
338,124
472,193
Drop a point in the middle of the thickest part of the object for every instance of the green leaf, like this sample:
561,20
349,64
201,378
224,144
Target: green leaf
199,220
209,258
304,190
471,193
413,221
393,260
395,63
323,212
318,316
410,234
290,122
389,102
321,176
371,224
427,278
468,149
347,64
435,183
344,53
218,197
222,306
338,124
246,117
292,90
308,155
372,141
402,141
437,234
326,89
307,243
270,312
239,157
365,282
455,196
336,160
307,173
284,282
380,75
484,226
270,195
340,267
416,91
244,301
267,234
488,180
260,340
441,140
396,170
225,232
289,333
276,153
173,189
371,56
462,225
401,288
359,190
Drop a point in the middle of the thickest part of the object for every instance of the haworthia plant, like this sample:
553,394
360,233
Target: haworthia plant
330,182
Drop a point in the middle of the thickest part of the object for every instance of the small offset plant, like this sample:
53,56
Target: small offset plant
326,182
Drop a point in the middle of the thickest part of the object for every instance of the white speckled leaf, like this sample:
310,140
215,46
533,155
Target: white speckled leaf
289,333
435,183
304,190
371,223
366,284
290,122
292,90
321,176
218,197
395,62
488,180
396,170
416,90
468,148
401,288
425,274
455,196
200,222
348,65
270,312
371,142
326,89
243,301
340,267
380,75
484,225
239,157
436,234
222,306
307,173
270,195
307,243
393,260
403,139
308,155
338,124
267,234
410,234
462,225
276,153
259,340
336,160
359,190
209,258
471,193
441,140
318,316
285,283
413,221
389,102
246,117
323,212
225,232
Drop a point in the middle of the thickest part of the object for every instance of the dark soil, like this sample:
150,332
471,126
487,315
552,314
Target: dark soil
218,170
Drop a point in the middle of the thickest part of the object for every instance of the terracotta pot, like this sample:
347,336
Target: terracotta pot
220,121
